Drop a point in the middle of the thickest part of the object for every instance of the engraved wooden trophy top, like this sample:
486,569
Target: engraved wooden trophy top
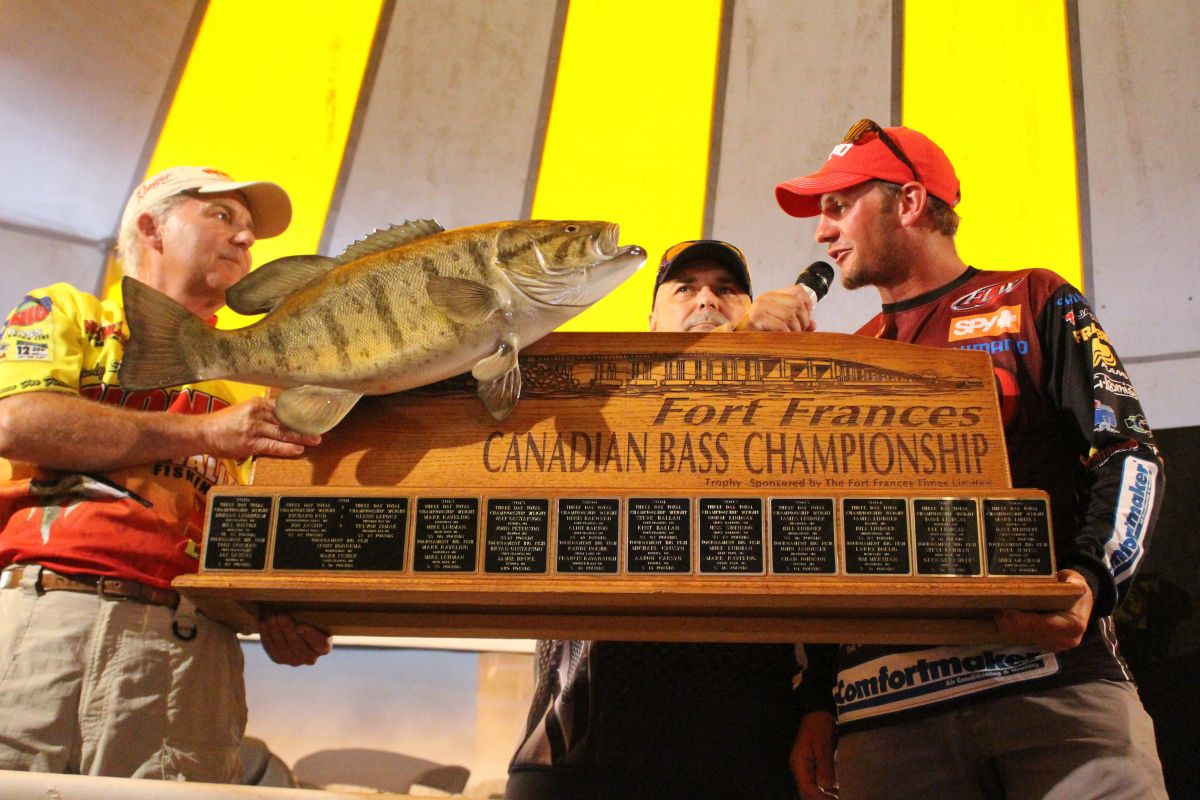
659,486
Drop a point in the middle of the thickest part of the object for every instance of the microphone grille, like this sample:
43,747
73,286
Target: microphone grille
817,276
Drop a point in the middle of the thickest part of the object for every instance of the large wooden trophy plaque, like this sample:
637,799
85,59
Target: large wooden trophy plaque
674,487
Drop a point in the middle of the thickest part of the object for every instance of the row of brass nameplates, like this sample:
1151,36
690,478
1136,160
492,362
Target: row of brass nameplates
1006,536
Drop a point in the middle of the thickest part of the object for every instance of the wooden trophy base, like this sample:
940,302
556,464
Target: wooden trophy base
669,487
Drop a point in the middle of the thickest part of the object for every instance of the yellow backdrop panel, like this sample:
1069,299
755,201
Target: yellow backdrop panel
628,136
990,81
269,93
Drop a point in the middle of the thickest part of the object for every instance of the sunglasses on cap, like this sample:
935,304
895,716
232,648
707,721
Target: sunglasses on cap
725,254
862,129
673,253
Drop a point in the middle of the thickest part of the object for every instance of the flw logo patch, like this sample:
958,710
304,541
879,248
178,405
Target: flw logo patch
996,323
985,295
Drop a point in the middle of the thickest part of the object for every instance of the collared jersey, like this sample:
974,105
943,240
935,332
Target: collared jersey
142,523
1074,428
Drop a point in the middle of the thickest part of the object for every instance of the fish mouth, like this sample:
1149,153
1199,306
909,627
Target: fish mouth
606,248
605,243
591,283
580,286
605,276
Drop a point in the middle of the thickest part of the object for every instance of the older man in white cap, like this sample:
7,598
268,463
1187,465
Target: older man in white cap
103,670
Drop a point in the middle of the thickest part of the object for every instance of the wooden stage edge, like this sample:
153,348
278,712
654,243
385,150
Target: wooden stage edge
882,611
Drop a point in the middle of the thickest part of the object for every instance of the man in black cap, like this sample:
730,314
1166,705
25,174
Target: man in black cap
704,285
635,720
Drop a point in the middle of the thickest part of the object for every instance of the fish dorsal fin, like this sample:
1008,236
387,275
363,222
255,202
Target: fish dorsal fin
264,288
314,409
462,300
387,238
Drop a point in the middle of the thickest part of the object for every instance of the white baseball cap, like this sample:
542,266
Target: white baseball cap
269,204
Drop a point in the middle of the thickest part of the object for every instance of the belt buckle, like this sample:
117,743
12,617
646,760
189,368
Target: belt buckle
6,578
100,590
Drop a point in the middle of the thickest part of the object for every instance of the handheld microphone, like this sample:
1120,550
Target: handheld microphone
816,279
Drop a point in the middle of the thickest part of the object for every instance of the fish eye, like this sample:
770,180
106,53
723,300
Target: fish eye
572,229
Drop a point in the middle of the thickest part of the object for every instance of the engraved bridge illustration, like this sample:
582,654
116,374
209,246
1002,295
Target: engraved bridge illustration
574,376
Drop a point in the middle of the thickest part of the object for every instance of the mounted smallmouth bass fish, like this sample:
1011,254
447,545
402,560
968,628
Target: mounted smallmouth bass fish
404,307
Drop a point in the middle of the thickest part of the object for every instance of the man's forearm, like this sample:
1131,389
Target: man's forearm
60,431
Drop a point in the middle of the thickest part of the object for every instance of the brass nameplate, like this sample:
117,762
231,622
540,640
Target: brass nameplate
946,535
588,535
802,536
445,534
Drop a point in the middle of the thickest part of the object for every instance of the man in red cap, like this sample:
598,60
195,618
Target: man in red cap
1057,715
104,670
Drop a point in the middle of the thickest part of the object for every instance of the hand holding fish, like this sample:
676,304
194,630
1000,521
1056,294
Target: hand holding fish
67,432
251,428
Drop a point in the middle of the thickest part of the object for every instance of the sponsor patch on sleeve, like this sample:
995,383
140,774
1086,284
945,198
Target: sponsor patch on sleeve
28,331
900,681
1134,503
1104,418
31,351
31,311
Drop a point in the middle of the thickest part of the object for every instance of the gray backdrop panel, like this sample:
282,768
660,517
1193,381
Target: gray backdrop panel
81,89
31,262
1142,114
1142,107
791,92
451,121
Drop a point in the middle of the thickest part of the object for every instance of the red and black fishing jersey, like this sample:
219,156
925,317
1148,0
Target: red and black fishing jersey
1075,429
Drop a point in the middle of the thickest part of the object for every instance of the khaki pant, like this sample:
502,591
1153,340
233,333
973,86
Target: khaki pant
1090,741
97,686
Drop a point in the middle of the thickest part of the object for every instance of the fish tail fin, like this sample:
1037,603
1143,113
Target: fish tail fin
164,340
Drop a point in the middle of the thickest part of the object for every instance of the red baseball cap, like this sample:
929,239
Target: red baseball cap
864,155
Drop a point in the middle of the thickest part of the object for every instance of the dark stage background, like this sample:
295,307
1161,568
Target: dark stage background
1159,623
